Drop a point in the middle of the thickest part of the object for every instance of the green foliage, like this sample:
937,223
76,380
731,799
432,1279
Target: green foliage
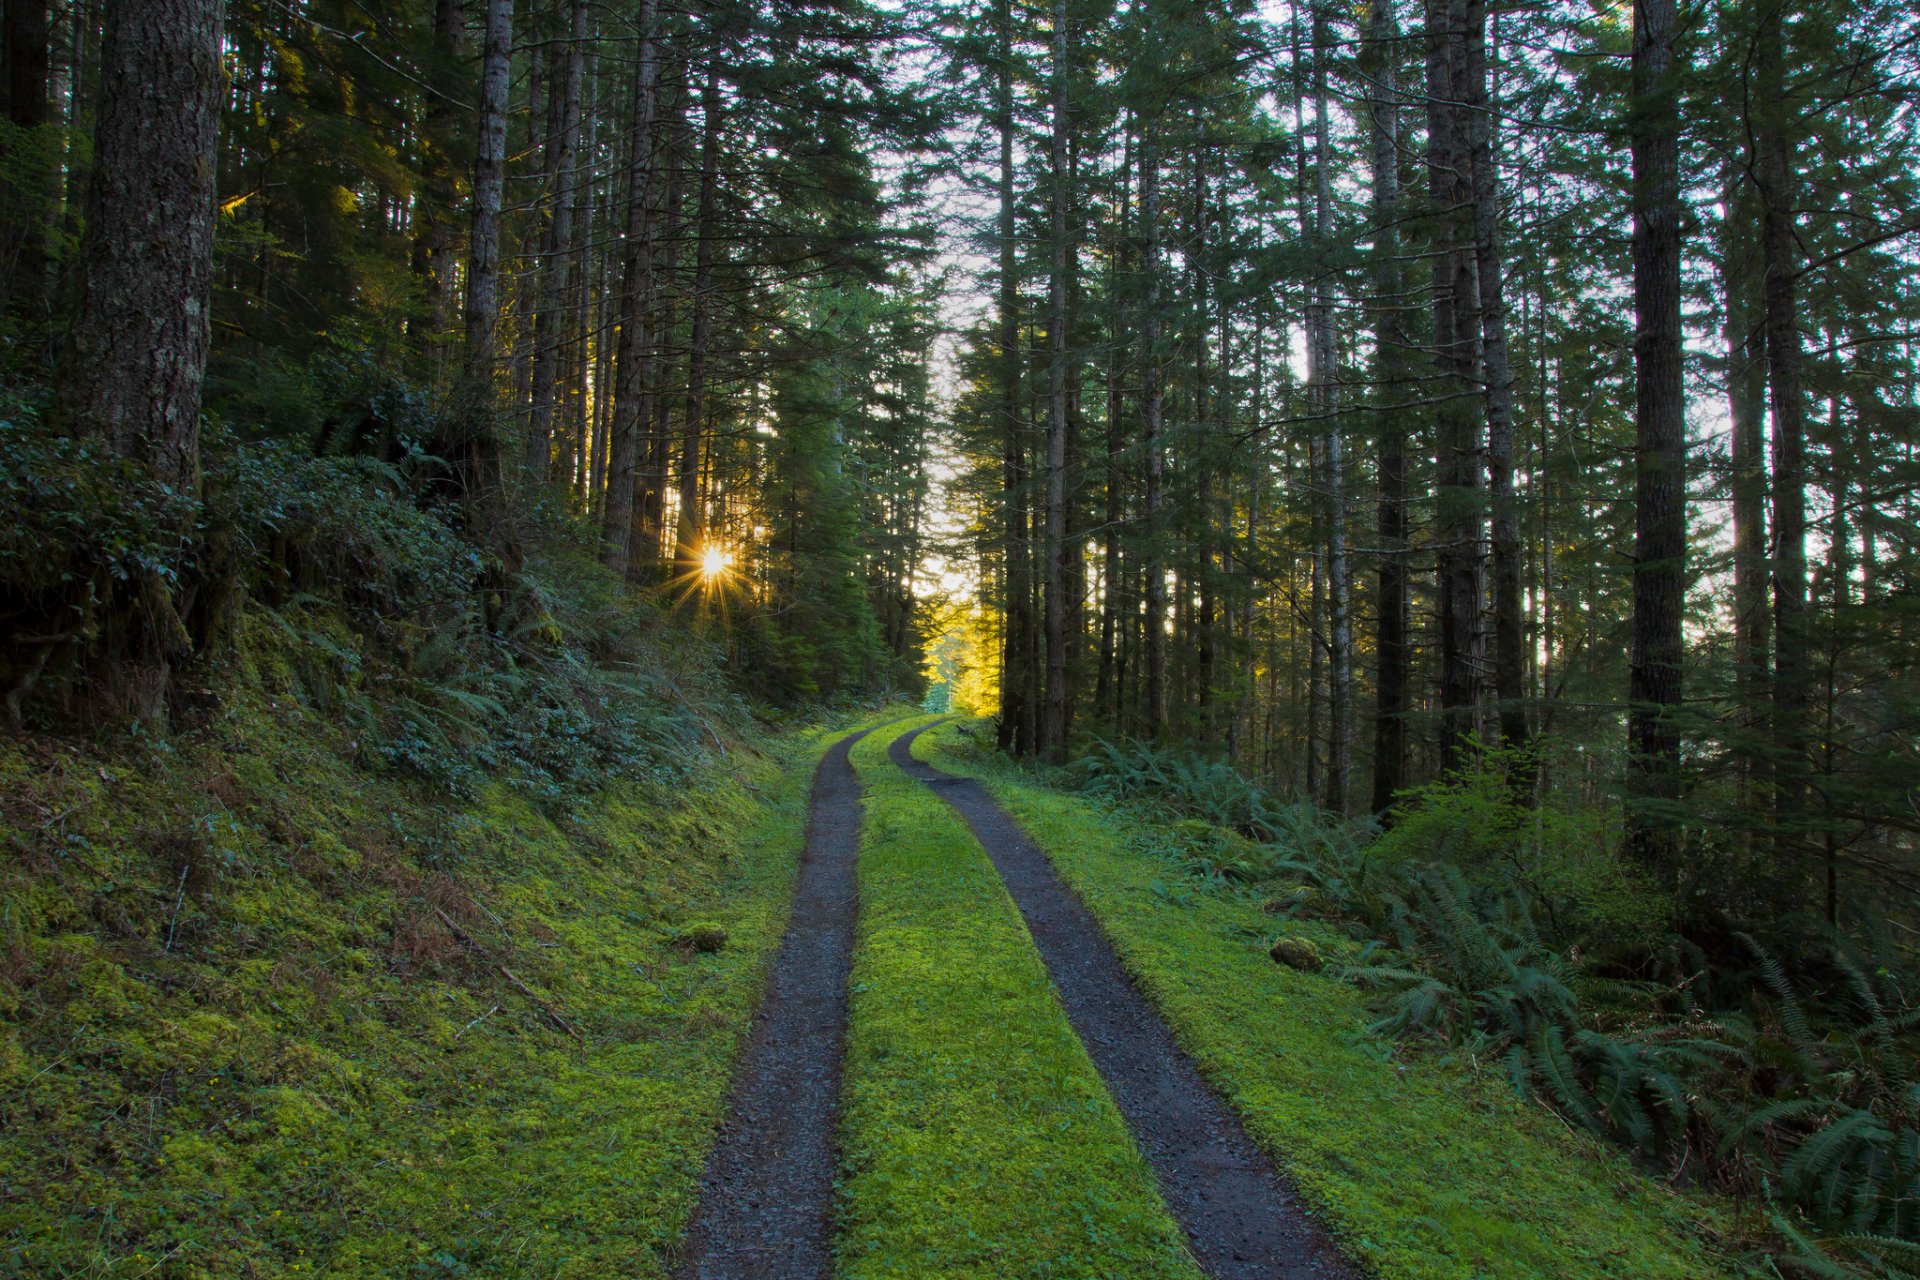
820,635
1567,861
1185,784
78,517
1518,935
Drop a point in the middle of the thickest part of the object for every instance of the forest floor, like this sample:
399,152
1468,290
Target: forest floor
1058,1067
263,1013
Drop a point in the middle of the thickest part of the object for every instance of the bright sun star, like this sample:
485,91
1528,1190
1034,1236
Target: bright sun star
713,562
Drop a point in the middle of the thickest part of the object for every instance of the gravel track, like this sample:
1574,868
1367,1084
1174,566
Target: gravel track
1242,1221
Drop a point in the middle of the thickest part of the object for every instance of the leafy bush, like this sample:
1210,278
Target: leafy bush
1568,862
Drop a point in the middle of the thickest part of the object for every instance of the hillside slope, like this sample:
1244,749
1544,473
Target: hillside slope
266,1012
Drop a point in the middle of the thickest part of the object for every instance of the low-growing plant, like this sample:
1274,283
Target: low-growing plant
1517,934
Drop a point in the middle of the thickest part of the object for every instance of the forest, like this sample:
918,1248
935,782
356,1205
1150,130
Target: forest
561,559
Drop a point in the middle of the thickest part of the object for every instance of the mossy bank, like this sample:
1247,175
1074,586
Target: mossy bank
264,1012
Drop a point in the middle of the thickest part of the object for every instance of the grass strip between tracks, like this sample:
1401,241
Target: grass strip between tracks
977,1139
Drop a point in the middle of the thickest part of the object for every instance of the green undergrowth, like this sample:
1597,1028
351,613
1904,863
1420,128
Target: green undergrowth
977,1138
267,1012
1429,1168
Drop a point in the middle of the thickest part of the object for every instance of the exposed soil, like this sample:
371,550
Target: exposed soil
766,1201
1242,1221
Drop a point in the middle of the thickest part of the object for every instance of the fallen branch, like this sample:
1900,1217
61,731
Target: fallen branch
466,939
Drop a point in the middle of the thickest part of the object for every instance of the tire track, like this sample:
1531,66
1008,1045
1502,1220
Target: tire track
766,1200
1242,1221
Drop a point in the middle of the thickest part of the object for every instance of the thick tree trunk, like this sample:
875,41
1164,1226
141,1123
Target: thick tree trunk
136,359
137,356
482,442
1053,723
550,346
1456,332
622,553
1394,674
1660,526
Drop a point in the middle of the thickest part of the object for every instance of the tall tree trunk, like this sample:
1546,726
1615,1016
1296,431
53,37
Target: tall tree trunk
586,276
656,428
1015,638
1746,406
1053,724
1394,679
1322,358
481,438
136,359
440,194
692,519
1114,598
636,304
1774,168
1509,646
1456,331
1153,408
550,346
23,270
1660,526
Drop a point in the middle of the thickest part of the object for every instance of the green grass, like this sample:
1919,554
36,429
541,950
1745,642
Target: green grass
1427,1169
977,1137
288,1063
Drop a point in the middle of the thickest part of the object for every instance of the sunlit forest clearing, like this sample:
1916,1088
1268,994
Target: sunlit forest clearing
1060,640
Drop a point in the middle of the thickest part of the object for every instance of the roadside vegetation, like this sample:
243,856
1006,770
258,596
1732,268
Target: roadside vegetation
269,1013
1427,1164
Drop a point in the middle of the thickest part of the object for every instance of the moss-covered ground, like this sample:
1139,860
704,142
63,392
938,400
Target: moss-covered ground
977,1137
1428,1169
264,1013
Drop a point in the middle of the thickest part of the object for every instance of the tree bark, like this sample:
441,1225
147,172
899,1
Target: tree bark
1660,525
1509,646
557,257
1053,724
136,359
1322,359
1106,695
1153,407
135,363
1015,655
1394,673
483,251
1745,372
1791,671
1456,331
636,305
692,519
